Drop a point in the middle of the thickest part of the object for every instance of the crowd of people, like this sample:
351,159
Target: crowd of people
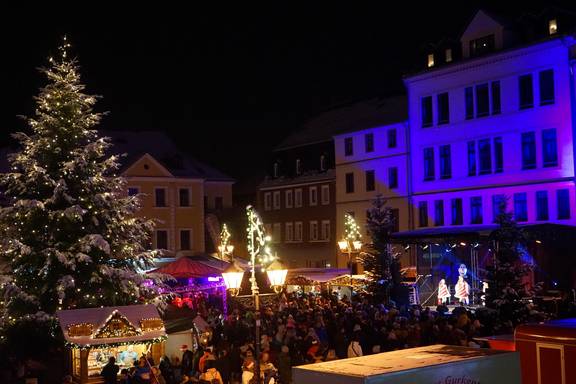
305,329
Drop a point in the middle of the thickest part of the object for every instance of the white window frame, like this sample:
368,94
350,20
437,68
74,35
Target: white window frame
277,233
189,230
298,198
325,194
298,231
289,233
325,230
166,198
276,203
167,238
189,197
313,192
267,201
288,196
313,234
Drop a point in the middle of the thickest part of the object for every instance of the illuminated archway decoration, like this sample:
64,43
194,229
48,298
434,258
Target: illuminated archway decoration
116,326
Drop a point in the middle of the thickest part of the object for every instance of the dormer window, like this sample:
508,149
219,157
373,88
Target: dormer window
322,162
430,60
482,45
276,169
448,53
552,27
298,167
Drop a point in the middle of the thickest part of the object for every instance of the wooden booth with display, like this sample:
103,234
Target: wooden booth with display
95,334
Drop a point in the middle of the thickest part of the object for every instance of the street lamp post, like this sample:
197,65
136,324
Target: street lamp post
259,252
350,243
348,247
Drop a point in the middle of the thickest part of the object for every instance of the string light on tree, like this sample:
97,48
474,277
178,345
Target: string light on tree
65,238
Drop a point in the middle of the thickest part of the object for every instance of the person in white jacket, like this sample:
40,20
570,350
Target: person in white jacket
354,348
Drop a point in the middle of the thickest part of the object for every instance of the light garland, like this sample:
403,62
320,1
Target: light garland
151,324
116,325
80,329
154,340
258,241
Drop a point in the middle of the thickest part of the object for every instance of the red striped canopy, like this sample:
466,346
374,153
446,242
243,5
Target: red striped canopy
185,267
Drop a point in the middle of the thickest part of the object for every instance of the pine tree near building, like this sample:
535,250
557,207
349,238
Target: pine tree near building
381,267
69,237
507,287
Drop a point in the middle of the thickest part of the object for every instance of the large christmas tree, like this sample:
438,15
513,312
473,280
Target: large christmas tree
69,237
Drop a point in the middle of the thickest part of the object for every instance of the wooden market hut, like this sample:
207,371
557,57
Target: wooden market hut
95,334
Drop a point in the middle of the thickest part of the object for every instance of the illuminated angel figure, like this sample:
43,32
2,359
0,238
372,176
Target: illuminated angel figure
443,293
462,290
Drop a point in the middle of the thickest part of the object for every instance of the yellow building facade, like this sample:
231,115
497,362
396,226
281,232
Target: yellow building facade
178,192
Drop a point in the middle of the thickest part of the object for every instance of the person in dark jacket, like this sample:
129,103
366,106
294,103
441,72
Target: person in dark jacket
284,366
341,344
167,370
196,359
187,360
110,371
224,365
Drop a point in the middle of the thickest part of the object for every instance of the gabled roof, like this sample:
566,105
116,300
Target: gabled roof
351,117
482,20
158,145
97,318
136,144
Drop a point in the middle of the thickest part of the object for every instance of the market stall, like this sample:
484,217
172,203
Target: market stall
311,279
547,351
95,334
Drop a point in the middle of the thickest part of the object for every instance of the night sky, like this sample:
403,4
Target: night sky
228,84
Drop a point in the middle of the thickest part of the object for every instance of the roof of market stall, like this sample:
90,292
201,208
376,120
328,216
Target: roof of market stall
89,327
187,267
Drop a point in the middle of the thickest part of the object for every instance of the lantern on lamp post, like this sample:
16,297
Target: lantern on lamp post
350,243
233,276
276,275
260,253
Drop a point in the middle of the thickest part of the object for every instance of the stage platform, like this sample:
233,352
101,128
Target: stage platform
471,308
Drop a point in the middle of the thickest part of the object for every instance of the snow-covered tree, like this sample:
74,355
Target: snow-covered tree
507,287
69,236
380,265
